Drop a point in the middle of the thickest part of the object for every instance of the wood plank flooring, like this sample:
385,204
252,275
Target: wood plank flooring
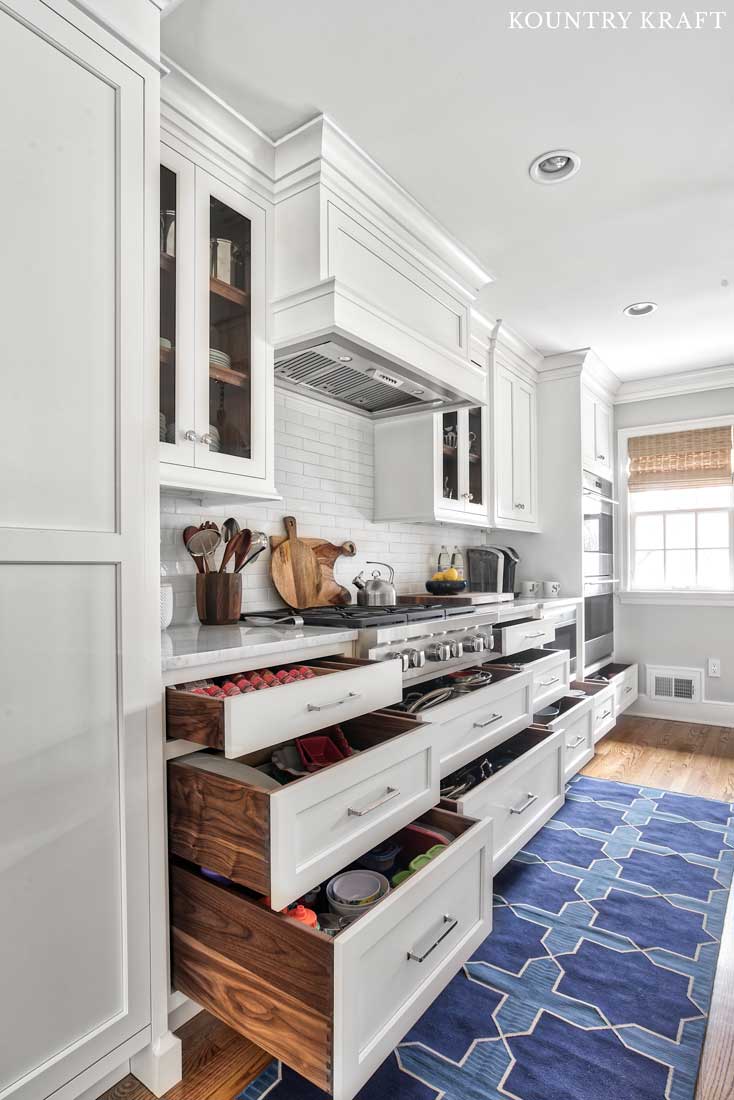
677,756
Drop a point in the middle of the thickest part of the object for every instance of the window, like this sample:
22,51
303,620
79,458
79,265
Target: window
681,510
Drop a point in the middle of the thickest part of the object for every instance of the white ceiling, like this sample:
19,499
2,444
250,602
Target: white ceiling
455,106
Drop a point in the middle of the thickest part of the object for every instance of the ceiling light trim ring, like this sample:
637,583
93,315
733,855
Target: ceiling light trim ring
554,166
640,309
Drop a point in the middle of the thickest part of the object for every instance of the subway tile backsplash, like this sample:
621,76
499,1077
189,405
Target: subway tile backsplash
324,467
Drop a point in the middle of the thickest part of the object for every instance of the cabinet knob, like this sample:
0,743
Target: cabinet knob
468,496
207,439
521,507
191,436
601,458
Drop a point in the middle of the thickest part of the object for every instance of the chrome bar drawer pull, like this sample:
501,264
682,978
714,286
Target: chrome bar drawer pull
336,703
627,690
487,721
526,804
547,683
390,793
537,634
606,714
575,744
448,920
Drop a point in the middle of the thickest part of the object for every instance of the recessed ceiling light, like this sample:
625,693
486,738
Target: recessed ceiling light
554,166
344,358
640,309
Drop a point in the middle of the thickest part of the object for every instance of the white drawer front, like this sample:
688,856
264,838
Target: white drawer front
604,716
520,798
626,689
391,964
579,742
551,678
321,824
265,718
505,709
520,636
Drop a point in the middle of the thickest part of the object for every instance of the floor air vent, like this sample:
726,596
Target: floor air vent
675,685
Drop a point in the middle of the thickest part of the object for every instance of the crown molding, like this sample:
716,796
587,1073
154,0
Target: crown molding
584,362
488,336
674,385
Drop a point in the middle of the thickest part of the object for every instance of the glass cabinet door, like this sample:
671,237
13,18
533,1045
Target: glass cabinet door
475,459
176,351
450,475
167,374
231,386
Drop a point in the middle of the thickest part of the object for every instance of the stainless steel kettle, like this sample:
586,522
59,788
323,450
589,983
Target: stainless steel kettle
376,592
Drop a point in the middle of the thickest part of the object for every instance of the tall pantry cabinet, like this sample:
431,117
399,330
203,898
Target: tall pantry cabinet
79,642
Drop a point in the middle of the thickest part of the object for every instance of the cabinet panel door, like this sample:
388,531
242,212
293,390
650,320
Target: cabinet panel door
177,349
233,363
588,429
603,435
503,445
523,445
476,442
78,634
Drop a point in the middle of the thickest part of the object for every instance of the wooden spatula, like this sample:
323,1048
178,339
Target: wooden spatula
295,569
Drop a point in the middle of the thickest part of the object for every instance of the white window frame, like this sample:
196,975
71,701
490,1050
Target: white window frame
681,597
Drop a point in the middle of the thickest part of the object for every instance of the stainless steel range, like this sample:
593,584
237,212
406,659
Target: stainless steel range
428,639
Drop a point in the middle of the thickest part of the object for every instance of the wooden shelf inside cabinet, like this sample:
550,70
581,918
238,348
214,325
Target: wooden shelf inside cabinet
168,263
474,458
231,293
450,452
228,376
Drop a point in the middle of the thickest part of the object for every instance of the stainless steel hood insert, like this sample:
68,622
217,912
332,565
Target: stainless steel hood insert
344,374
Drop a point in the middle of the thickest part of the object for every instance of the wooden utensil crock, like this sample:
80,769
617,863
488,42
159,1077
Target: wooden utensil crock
219,598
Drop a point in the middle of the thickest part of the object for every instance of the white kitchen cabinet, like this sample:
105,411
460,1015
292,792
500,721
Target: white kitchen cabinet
514,450
216,370
596,434
79,642
432,467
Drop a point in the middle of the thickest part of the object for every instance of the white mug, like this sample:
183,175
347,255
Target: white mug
529,588
166,606
551,588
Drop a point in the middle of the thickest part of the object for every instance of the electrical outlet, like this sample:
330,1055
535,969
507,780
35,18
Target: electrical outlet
714,666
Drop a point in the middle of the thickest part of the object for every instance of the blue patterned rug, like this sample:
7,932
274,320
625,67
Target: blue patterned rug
596,981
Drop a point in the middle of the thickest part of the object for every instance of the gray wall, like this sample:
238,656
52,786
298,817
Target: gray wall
684,636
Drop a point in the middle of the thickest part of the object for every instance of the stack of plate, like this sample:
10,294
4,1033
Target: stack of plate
219,358
162,427
216,443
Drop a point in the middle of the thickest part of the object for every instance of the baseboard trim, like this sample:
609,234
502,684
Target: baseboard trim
181,1009
708,712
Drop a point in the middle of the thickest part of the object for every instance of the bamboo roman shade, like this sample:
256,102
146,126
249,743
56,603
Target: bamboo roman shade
681,460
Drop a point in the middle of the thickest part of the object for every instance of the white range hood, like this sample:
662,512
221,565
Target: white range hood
372,297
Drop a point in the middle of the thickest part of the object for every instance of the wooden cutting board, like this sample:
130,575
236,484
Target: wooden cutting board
303,569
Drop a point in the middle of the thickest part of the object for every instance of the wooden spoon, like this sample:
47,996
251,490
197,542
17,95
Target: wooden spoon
243,548
198,561
232,549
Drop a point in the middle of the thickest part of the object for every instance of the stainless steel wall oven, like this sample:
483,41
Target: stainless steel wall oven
599,576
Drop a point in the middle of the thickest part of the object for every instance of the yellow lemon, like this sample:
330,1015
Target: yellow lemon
451,574
438,577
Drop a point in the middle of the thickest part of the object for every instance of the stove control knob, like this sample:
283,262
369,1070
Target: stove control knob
438,651
474,644
417,658
457,648
487,637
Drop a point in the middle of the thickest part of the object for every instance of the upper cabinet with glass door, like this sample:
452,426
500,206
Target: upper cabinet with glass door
216,375
432,467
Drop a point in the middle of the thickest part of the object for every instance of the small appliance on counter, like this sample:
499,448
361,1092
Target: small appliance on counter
376,592
492,569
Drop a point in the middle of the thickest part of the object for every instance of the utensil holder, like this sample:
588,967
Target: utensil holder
219,598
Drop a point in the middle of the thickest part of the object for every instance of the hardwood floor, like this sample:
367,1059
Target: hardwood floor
692,759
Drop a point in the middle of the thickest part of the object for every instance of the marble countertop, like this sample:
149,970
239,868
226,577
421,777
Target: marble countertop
190,646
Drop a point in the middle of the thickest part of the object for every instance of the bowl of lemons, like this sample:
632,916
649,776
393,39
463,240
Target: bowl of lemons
447,583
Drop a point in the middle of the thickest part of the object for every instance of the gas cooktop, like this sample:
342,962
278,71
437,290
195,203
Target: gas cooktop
359,618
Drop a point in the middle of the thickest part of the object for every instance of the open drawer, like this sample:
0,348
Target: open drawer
339,690
522,795
284,841
473,722
625,681
551,670
334,1008
519,636
576,722
602,705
